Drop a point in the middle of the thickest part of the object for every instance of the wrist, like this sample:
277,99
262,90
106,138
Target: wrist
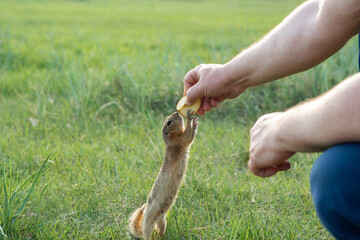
236,77
295,130
284,132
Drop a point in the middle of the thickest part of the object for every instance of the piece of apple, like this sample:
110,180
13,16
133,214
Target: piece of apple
182,108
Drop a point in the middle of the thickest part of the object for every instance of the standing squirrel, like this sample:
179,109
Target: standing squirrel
166,186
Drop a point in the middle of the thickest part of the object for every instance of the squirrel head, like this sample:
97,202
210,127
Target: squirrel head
173,126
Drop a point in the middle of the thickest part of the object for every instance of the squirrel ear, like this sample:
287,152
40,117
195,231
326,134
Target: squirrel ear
165,133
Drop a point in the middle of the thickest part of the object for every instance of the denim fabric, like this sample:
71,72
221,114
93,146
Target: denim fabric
335,188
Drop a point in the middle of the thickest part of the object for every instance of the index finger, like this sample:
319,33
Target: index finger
190,79
262,172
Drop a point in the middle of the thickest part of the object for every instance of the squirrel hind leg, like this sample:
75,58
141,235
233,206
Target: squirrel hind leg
161,226
147,229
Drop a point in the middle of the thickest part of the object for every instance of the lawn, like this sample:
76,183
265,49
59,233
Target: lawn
90,82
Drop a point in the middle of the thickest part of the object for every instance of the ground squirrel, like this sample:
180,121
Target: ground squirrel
166,186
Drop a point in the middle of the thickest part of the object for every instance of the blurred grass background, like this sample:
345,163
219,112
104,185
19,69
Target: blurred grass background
94,80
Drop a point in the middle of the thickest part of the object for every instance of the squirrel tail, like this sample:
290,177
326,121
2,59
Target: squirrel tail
136,220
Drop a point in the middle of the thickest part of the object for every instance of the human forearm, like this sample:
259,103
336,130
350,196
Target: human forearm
309,35
310,127
325,121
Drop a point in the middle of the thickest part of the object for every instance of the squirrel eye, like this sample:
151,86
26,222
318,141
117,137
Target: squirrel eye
168,123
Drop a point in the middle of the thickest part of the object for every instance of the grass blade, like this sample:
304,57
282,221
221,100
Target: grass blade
37,225
2,232
5,192
32,186
1,211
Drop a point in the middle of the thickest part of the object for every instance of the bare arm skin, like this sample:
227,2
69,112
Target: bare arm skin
309,35
313,126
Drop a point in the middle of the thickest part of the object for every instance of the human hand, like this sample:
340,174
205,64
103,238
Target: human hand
268,154
212,84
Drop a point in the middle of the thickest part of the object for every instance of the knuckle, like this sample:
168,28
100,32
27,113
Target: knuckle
200,67
257,153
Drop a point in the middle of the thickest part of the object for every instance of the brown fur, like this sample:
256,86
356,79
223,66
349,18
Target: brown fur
172,172
136,220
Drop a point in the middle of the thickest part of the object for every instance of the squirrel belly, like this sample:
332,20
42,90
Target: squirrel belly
167,184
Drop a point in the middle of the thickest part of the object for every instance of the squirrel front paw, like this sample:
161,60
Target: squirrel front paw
189,114
195,122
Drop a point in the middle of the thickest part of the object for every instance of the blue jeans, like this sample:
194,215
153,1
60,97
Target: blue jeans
335,188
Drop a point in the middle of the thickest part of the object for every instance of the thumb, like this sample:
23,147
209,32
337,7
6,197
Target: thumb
193,94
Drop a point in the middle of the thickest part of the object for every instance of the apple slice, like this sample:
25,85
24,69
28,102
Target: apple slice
182,108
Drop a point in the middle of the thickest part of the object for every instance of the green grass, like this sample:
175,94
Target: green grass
99,77
16,198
